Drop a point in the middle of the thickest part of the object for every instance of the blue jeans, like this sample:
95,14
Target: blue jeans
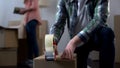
102,40
32,39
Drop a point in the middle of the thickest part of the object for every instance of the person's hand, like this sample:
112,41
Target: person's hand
22,11
55,48
69,50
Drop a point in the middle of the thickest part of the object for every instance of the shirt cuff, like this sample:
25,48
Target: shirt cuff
83,36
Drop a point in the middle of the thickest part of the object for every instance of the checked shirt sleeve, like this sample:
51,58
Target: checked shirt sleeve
58,28
99,18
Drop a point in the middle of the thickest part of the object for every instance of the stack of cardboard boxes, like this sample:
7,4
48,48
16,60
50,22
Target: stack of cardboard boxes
13,46
117,37
22,45
8,46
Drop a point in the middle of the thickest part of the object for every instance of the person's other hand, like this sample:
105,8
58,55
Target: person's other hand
69,50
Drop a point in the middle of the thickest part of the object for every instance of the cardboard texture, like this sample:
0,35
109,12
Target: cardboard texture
117,37
11,39
15,23
22,47
2,35
20,26
41,46
8,57
8,37
40,62
41,30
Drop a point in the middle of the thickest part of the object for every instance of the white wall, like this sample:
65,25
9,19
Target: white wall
6,11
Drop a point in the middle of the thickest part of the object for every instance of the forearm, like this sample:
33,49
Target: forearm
29,9
57,31
76,41
58,28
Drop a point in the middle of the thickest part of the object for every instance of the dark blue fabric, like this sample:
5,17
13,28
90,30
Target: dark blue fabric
32,39
102,40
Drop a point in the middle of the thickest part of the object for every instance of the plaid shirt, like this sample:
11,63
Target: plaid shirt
81,17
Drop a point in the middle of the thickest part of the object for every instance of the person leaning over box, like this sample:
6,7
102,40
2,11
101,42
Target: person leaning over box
86,22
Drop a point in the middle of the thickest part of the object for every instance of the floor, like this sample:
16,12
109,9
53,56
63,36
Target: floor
94,65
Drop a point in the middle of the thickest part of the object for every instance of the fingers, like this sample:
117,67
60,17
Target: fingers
67,54
63,55
70,55
69,51
55,49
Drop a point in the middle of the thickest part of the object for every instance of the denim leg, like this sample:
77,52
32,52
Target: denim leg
101,40
107,49
31,39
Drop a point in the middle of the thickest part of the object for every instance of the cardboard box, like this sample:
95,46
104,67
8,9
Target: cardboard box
117,37
41,46
2,37
41,30
8,57
40,62
20,26
8,37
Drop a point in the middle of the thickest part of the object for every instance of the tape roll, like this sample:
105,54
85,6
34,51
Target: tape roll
49,47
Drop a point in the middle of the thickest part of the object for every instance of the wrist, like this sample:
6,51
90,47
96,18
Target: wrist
76,40
73,43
